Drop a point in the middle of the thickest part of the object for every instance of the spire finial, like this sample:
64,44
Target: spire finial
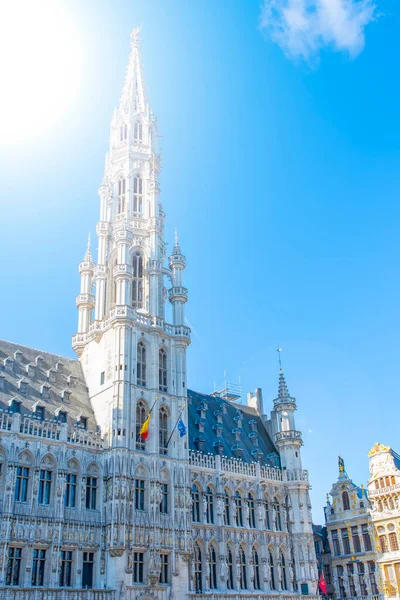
279,350
176,237
88,254
135,40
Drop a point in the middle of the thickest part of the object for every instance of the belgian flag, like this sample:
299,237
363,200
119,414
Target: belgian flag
144,430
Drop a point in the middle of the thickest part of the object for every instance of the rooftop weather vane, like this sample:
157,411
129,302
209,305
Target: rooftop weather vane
279,350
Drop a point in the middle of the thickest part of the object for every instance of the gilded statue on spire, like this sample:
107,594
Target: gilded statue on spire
341,464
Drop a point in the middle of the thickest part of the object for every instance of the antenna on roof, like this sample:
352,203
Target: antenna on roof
279,350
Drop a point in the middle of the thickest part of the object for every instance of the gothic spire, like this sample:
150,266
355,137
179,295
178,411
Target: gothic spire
133,98
88,253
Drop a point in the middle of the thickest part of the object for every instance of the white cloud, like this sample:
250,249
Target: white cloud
303,27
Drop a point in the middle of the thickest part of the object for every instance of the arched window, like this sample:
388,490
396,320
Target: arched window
227,513
141,416
267,518
393,542
243,569
256,566
137,280
141,364
278,520
121,206
198,568
162,371
212,562
239,510
271,566
123,132
195,504
209,505
252,512
163,430
284,577
346,502
138,131
137,196
229,583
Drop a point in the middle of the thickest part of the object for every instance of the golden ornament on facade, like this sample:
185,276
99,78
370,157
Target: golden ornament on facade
377,448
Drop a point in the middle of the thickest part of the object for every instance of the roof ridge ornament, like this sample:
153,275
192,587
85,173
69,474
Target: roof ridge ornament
377,448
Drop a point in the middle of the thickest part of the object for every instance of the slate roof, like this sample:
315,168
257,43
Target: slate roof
67,390
251,425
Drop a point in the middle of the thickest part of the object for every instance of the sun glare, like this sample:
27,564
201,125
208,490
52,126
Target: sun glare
41,67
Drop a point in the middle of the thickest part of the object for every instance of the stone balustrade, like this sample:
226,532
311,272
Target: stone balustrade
249,596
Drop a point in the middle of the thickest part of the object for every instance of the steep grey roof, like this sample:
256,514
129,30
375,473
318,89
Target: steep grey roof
31,375
239,427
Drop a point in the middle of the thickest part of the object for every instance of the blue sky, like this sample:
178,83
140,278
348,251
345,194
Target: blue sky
281,171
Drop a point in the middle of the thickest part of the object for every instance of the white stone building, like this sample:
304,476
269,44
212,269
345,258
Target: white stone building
88,508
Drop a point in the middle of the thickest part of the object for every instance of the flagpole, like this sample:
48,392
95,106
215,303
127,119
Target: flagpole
177,421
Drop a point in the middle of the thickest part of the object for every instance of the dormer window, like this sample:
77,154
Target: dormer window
62,416
83,422
65,395
18,356
2,381
30,369
51,375
23,386
15,405
39,412
9,364
45,390
59,366
39,360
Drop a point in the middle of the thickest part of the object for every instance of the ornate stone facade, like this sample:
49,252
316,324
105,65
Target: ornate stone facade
384,493
351,539
87,502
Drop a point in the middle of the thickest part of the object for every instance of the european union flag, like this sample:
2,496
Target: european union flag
181,428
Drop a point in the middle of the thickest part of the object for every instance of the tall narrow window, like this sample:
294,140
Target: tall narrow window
164,499
138,562
252,512
137,196
366,537
227,514
239,510
70,491
212,562
229,583
393,542
272,571
141,416
209,505
21,484
137,280
346,502
91,492
141,364
284,576
346,541
66,568
38,565
13,566
162,371
267,519
44,487
277,510
195,504
243,569
123,132
163,430
87,569
356,539
121,195
198,569
139,494
164,568
256,566
138,131
336,544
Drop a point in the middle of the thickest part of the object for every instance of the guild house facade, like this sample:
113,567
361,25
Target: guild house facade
207,497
